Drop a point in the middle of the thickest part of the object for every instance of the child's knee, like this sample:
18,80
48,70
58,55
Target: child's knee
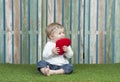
68,68
41,64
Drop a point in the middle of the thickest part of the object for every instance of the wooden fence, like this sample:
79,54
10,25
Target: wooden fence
92,25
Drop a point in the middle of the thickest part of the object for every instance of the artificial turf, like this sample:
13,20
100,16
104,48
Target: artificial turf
81,73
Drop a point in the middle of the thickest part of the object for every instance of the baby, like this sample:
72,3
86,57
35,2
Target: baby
52,62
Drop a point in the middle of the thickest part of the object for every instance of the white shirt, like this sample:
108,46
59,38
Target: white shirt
56,59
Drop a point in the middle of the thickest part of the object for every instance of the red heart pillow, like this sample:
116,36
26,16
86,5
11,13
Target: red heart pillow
62,42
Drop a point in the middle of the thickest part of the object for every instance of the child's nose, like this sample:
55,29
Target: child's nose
63,35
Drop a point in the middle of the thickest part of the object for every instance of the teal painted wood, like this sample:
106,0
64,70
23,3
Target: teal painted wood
21,30
44,22
4,26
79,28
105,20
40,24
74,30
33,31
29,23
117,32
1,34
54,10
86,32
25,33
89,29
66,18
109,33
97,9
13,34
63,6
113,29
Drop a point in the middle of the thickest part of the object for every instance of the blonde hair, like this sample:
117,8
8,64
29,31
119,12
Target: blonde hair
51,27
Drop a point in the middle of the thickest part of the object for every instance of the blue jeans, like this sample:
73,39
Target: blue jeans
68,68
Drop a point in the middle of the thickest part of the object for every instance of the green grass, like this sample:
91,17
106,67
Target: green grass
82,73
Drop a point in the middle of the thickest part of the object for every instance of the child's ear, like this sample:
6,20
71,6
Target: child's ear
51,37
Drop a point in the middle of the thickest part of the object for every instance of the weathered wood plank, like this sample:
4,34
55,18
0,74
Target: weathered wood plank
109,32
8,31
44,24
1,34
25,33
17,32
67,17
93,31
80,33
86,33
74,32
50,11
117,32
40,24
59,11
33,27
101,31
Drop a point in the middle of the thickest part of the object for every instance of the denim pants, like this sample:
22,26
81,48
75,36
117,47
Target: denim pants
68,68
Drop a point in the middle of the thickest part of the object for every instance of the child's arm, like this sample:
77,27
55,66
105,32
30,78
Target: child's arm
49,51
68,51
55,50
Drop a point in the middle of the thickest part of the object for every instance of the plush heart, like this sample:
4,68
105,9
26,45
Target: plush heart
62,42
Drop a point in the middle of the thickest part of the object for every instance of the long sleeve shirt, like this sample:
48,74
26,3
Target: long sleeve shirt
56,59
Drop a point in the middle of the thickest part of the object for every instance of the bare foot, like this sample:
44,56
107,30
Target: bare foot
46,70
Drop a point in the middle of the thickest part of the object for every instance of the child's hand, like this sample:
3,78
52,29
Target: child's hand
65,49
56,50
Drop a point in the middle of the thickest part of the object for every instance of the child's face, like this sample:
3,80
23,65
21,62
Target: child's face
57,34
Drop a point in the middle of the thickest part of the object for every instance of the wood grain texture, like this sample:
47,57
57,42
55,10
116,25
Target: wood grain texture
25,33
67,17
59,11
109,32
81,31
93,31
33,11
44,22
40,26
17,32
1,34
101,32
74,30
86,33
50,11
117,32
8,31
